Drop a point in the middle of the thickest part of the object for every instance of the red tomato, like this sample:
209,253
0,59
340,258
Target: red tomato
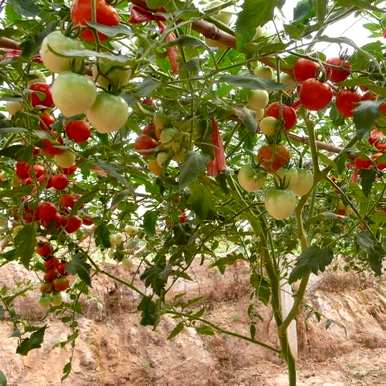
369,96
49,148
61,284
46,120
149,130
38,170
22,169
382,108
339,69
44,249
379,162
284,112
62,268
72,224
68,200
40,95
362,162
273,157
377,138
346,102
28,214
145,144
59,181
305,69
50,275
51,263
46,212
315,95
69,171
182,218
78,131
88,220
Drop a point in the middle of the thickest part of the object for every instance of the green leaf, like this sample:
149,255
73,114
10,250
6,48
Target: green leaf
367,180
2,312
176,330
149,222
252,82
192,168
90,54
25,242
200,200
205,330
18,152
150,311
12,130
79,266
375,253
364,116
321,10
66,370
261,286
223,262
3,379
31,343
102,236
304,10
25,7
254,13
312,259
111,31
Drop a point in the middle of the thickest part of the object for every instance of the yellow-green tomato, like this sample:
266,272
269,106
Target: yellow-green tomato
280,204
111,73
109,113
66,159
303,183
258,99
264,72
14,107
73,94
288,81
162,158
250,180
259,115
269,125
131,230
116,239
169,137
52,46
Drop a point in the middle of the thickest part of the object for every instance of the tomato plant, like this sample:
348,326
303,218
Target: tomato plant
180,131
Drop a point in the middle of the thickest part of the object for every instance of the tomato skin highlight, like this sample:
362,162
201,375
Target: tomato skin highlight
315,95
305,69
337,69
273,157
78,131
346,102
284,112
280,204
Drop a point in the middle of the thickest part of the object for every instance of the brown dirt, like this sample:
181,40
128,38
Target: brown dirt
115,350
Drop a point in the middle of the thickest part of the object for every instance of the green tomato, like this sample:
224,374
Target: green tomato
269,125
169,137
303,183
14,107
111,73
116,239
73,94
109,113
60,44
56,300
131,230
264,72
65,159
259,115
258,99
286,178
162,158
249,180
280,204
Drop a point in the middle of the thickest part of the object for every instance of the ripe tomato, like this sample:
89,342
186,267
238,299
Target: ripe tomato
109,113
362,162
380,160
51,275
368,96
49,148
61,284
337,69
258,99
78,131
62,268
68,200
109,73
283,112
250,180
377,138
382,108
57,42
182,218
273,157
38,171
72,224
22,169
269,125
73,94
40,95
44,249
59,181
315,95
149,130
87,220
65,159
346,102
305,69
280,204
81,14
46,120
145,144
51,263
69,171
46,212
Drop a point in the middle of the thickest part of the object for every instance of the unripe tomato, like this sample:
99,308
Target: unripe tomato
46,120
169,137
45,288
40,95
315,95
54,43
337,69
273,157
65,159
116,239
73,93
131,230
59,181
111,73
22,169
259,114
162,158
14,107
44,249
303,183
264,72
109,113
286,178
50,275
282,112
346,102
154,167
280,204
250,180
78,131
72,224
51,263
305,69
61,284
269,125
258,99
145,144
46,211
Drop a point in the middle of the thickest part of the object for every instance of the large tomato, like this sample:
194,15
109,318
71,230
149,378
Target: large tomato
40,95
273,157
346,102
57,42
283,112
109,73
305,69
109,113
302,182
280,204
73,93
65,159
337,69
315,95
250,180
